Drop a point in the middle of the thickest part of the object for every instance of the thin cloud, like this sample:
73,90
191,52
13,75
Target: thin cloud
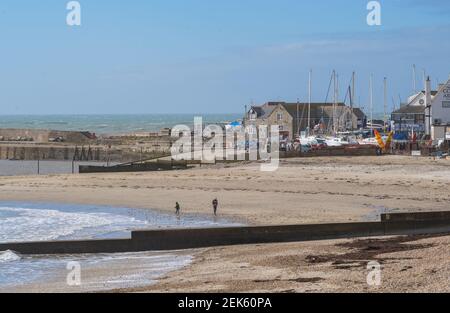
441,7
403,41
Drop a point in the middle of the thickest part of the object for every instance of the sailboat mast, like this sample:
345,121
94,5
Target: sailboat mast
309,101
352,100
371,102
298,117
334,102
424,73
385,104
353,89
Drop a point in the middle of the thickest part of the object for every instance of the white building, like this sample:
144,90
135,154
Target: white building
419,99
437,112
410,118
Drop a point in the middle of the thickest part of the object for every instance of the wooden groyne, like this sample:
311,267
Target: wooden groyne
158,165
176,239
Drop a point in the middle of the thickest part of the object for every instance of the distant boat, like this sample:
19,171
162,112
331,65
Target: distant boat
373,140
369,141
336,142
329,141
235,124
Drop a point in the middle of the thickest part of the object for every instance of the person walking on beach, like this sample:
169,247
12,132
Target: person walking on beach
215,204
177,208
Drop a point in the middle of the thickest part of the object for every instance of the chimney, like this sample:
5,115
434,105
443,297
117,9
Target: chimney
428,92
428,110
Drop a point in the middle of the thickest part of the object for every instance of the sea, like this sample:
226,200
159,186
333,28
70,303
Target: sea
111,124
30,222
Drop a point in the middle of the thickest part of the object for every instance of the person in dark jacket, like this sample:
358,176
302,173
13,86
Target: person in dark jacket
215,204
177,208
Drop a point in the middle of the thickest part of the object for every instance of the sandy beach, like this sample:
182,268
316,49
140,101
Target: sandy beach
316,190
408,264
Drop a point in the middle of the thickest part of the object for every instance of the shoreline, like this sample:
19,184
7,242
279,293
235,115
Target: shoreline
302,191
49,271
355,190
105,272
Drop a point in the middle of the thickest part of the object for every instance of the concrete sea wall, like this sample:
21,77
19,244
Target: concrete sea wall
176,239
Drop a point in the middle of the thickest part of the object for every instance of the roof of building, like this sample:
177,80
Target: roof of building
410,109
421,93
359,113
263,111
318,110
257,110
433,92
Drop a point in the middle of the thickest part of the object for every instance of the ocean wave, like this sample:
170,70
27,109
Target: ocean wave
55,122
8,256
23,224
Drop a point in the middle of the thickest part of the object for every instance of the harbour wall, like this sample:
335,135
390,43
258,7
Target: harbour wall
359,150
177,239
39,144
44,136
60,152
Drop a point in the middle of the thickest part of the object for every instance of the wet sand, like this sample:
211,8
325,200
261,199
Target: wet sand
316,190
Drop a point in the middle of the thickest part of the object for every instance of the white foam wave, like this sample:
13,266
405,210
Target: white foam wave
8,256
24,224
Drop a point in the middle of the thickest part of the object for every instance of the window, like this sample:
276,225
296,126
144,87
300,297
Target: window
446,104
420,118
279,116
251,130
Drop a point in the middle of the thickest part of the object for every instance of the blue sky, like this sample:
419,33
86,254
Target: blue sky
210,56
